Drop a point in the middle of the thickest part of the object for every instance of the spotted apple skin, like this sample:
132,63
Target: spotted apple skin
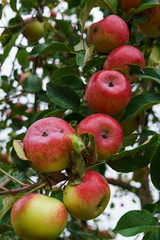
88,199
108,33
107,132
47,145
38,217
109,92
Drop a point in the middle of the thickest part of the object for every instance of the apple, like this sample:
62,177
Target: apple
107,132
88,199
108,91
119,59
151,27
53,13
33,30
108,33
126,5
22,76
47,145
38,217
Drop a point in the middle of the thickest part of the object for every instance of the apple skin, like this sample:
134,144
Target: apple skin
47,146
38,217
119,58
151,27
107,132
33,31
108,33
126,5
88,199
108,91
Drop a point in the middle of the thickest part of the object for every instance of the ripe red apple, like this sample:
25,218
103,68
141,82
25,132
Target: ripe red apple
108,91
38,217
151,27
121,56
107,132
88,199
22,76
108,33
126,5
47,146
33,30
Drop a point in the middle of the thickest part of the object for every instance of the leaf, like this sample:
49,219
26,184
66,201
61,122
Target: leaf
8,47
147,73
77,143
139,104
155,167
135,222
13,4
80,59
4,228
45,48
20,164
72,81
22,57
152,236
64,96
134,159
32,83
18,147
154,58
63,71
143,6
88,53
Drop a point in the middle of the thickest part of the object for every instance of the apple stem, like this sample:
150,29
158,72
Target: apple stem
16,180
97,164
38,187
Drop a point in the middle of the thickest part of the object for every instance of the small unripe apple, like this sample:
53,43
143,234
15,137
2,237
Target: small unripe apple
33,31
126,5
38,217
107,132
151,27
109,92
119,59
108,33
88,199
47,145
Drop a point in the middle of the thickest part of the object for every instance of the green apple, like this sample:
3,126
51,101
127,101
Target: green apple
108,33
151,27
33,30
88,199
38,217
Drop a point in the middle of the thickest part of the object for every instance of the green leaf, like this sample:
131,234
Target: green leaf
8,47
4,228
51,47
32,84
134,159
63,71
20,164
72,81
143,6
63,96
139,104
77,143
152,236
110,5
80,59
135,222
147,73
22,57
88,53
13,4
96,62
155,167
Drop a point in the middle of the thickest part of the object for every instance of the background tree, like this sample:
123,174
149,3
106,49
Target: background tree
52,63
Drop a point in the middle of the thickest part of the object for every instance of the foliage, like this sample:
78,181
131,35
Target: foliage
61,64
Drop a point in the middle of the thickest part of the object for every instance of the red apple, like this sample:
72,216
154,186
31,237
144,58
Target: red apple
47,146
107,132
108,33
126,5
119,59
38,217
151,27
33,30
108,91
88,199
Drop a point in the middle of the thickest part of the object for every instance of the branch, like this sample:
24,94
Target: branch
122,184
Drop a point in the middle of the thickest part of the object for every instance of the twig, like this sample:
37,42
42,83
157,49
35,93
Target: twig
16,180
